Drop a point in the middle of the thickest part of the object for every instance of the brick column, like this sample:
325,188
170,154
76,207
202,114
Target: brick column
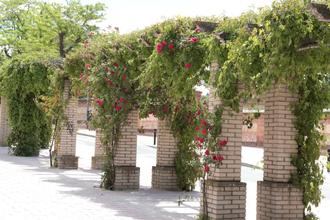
4,122
277,198
225,193
127,174
164,174
99,156
66,150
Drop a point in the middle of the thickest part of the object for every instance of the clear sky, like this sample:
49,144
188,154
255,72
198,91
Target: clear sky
130,15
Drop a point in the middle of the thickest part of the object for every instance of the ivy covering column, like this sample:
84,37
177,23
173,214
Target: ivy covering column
277,197
99,156
164,174
66,146
226,194
4,125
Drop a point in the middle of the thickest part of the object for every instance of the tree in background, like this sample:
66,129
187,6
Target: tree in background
34,39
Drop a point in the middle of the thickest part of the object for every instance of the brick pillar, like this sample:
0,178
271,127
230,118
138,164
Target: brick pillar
164,174
127,174
225,193
277,198
99,156
66,150
4,122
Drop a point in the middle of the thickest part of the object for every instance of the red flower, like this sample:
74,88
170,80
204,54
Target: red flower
124,77
116,65
164,43
159,48
121,99
204,132
88,66
206,168
222,143
99,102
203,122
197,128
201,140
118,108
207,152
220,158
187,66
198,112
171,46
193,40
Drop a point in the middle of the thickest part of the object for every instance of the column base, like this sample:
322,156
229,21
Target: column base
164,177
277,201
226,199
67,162
127,178
98,162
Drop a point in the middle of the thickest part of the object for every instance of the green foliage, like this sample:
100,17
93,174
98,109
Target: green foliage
34,38
23,83
284,43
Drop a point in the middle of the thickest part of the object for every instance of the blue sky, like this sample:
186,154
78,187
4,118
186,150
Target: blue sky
130,15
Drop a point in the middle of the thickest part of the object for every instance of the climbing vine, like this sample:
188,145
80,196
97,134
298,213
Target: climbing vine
23,83
157,69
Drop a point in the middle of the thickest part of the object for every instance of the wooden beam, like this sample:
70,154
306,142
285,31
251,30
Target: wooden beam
320,11
206,26
222,36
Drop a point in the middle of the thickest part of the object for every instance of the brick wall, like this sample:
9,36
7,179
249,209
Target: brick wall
225,193
66,149
99,155
4,122
279,142
254,136
163,174
277,198
127,174
279,201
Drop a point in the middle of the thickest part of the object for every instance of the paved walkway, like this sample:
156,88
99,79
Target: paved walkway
30,190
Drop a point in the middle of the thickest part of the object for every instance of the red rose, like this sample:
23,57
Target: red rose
222,143
164,43
187,66
201,140
171,46
203,122
207,152
124,77
99,102
118,108
159,48
116,65
220,158
88,66
206,168
197,128
121,99
204,132
193,40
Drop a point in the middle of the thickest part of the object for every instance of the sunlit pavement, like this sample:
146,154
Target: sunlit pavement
29,189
